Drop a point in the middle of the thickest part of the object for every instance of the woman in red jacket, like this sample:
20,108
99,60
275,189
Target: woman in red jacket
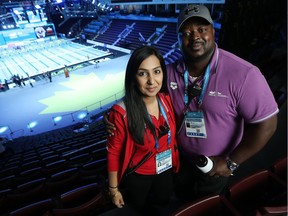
143,147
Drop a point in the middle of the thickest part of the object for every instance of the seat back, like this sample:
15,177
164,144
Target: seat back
280,169
72,205
62,181
216,205
258,189
37,208
79,195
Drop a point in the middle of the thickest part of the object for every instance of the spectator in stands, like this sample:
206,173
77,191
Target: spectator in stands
96,63
144,148
49,75
2,87
66,71
6,84
23,81
17,80
225,97
28,77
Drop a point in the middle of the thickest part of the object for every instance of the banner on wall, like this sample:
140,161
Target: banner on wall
44,31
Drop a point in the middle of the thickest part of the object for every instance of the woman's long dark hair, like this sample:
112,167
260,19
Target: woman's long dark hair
137,114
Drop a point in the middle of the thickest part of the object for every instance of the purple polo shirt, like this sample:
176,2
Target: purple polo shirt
237,92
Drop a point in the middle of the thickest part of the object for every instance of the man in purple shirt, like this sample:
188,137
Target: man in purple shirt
223,105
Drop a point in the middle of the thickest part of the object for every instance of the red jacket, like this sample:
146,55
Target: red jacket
121,146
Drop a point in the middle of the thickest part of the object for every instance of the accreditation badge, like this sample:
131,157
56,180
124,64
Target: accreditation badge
163,161
195,125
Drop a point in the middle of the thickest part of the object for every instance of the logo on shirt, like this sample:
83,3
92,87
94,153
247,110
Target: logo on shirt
173,85
216,94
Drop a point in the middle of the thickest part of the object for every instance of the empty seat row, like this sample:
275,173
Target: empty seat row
42,188
83,164
70,154
85,200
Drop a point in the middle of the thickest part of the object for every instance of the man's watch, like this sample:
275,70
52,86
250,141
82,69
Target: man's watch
231,165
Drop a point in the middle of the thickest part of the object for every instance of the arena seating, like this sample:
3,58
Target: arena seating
45,171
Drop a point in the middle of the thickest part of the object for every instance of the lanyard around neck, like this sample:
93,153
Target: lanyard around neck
205,83
162,110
